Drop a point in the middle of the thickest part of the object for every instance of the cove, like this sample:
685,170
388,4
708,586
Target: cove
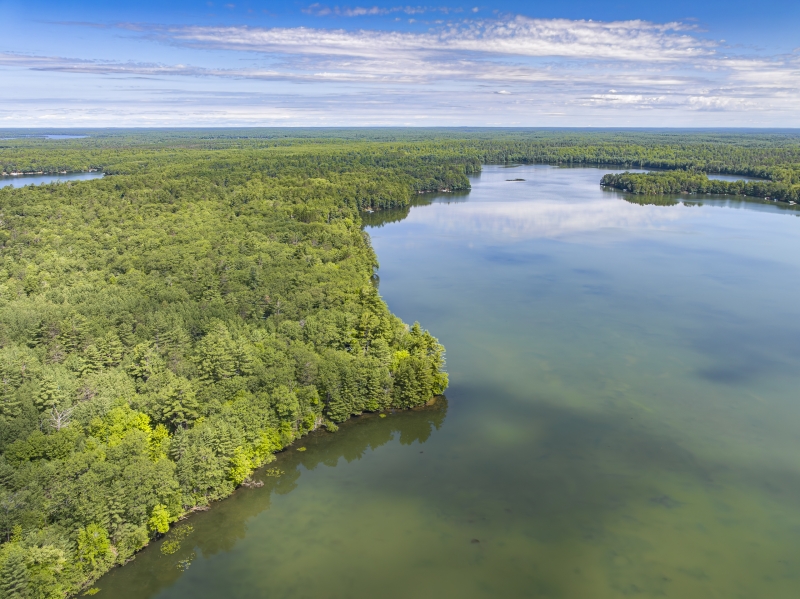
622,415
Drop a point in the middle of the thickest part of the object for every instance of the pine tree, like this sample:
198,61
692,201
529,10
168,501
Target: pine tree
111,349
125,329
14,574
92,360
146,362
10,405
50,394
179,403
15,368
216,355
72,332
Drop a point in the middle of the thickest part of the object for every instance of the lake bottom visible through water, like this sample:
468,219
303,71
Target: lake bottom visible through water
621,421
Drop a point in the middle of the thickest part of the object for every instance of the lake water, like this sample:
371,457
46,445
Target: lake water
622,420
734,178
23,180
56,136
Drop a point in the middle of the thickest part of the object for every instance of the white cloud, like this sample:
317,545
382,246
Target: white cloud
552,71
637,41
74,65
720,103
323,10
624,100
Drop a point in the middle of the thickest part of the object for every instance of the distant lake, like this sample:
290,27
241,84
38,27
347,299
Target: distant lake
46,137
622,420
735,178
22,180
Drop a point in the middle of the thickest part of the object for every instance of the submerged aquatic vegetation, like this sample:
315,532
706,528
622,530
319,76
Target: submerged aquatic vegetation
173,543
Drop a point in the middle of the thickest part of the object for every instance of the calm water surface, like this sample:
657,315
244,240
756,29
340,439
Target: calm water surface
55,136
622,421
734,178
22,180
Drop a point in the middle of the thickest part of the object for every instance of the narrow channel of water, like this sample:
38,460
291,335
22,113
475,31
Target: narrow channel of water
735,178
623,415
22,180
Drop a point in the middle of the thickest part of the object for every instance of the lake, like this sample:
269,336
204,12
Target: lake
22,180
734,178
622,418
53,136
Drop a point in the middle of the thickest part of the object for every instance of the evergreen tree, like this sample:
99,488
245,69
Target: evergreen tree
14,573
92,360
216,359
111,349
178,402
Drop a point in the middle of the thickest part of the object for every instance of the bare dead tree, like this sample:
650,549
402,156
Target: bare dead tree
58,419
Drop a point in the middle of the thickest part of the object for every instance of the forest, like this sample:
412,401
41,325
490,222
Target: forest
771,155
672,182
165,330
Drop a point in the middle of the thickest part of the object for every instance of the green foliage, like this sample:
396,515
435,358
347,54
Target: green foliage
241,465
672,182
159,519
178,402
94,546
14,576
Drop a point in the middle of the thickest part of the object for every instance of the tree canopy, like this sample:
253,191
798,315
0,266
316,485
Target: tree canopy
166,329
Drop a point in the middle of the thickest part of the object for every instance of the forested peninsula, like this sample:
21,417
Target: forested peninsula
672,182
166,329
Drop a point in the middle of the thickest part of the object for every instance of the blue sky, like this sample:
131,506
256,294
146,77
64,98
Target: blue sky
233,63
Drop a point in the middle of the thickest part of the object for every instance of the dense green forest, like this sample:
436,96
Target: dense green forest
168,328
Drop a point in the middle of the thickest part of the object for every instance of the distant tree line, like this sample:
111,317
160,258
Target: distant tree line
672,182
429,159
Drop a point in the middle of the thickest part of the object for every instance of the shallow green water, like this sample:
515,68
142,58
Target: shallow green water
622,420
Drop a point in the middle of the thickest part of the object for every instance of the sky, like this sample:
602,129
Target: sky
674,63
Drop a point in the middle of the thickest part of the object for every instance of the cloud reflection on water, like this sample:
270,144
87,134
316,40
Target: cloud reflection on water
547,218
